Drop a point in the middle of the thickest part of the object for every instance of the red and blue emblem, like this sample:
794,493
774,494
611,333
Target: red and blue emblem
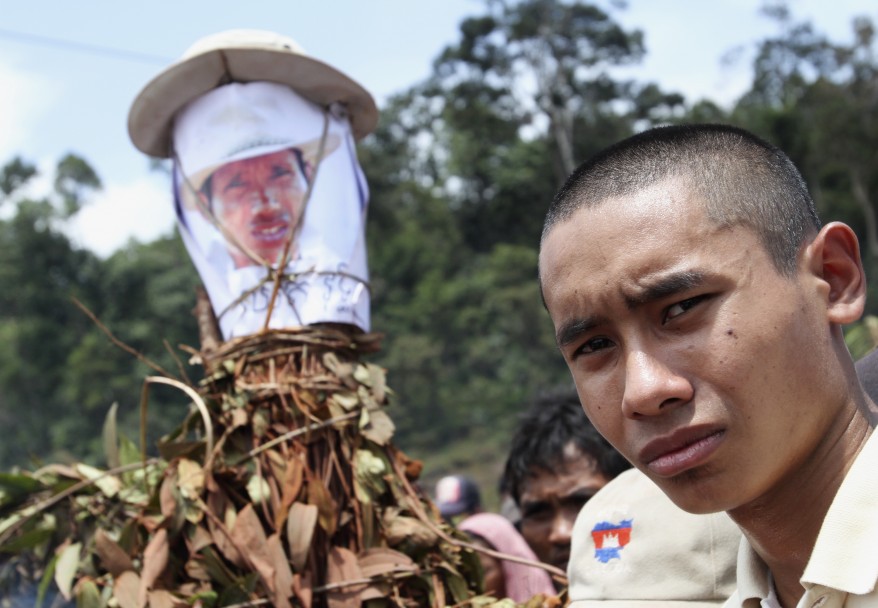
610,539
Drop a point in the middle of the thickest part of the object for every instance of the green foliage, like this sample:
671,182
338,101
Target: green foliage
59,372
816,99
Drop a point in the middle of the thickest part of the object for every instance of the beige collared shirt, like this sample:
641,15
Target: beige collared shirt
843,567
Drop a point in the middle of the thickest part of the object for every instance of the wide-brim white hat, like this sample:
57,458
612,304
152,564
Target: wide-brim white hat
241,56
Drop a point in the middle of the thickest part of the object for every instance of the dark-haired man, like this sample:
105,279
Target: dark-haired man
699,305
557,461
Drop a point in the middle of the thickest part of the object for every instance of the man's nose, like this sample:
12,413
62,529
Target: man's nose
562,528
652,386
263,198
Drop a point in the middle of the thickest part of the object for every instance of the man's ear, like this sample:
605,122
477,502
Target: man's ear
833,257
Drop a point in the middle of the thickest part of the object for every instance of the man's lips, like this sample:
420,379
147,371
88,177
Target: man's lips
270,229
681,450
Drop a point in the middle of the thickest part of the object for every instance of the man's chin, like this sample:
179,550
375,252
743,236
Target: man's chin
561,562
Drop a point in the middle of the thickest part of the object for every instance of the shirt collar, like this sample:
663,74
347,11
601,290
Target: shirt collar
844,554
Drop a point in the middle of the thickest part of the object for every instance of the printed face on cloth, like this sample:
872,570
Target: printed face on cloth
259,200
267,181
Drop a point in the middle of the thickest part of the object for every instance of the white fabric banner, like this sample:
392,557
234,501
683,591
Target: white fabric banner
246,155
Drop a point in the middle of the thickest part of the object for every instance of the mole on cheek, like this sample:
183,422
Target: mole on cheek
731,332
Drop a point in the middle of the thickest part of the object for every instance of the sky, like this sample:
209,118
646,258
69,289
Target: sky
70,70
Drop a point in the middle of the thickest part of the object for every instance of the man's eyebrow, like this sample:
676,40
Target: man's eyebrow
571,330
533,505
650,291
664,286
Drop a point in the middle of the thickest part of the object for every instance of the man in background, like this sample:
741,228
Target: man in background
557,462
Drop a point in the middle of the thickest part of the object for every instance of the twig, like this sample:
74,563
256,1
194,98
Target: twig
177,360
140,357
295,433
199,403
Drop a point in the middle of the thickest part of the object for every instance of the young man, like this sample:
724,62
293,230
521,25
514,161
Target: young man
557,461
699,305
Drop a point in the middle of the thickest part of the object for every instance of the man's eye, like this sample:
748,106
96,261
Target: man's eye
675,310
594,345
535,515
279,171
235,182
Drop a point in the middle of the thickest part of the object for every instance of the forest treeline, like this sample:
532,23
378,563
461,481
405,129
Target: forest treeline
461,170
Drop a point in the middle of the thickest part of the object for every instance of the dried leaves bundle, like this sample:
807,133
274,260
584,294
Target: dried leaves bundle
281,487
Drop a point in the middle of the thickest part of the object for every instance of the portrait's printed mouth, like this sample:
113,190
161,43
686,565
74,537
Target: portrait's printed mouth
270,230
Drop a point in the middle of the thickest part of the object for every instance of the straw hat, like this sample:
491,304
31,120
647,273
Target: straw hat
241,56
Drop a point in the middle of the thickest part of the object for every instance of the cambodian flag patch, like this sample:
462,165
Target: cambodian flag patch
609,539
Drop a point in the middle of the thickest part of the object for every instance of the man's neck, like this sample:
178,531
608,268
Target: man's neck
782,525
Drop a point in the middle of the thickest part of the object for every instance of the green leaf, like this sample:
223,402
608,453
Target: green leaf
108,484
111,437
129,453
458,587
258,489
88,596
346,399
65,568
13,488
362,375
28,540
46,580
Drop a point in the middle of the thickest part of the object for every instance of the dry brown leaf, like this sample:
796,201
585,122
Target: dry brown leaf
197,570
218,503
283,576
197,539
300,530
239,417
341,566
155,558
167,501
400,528
190,478
162,598
126,588
378,382
249,537
292,485
320,497
411,466
112,556
303,589
379,428
380,560
276,464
